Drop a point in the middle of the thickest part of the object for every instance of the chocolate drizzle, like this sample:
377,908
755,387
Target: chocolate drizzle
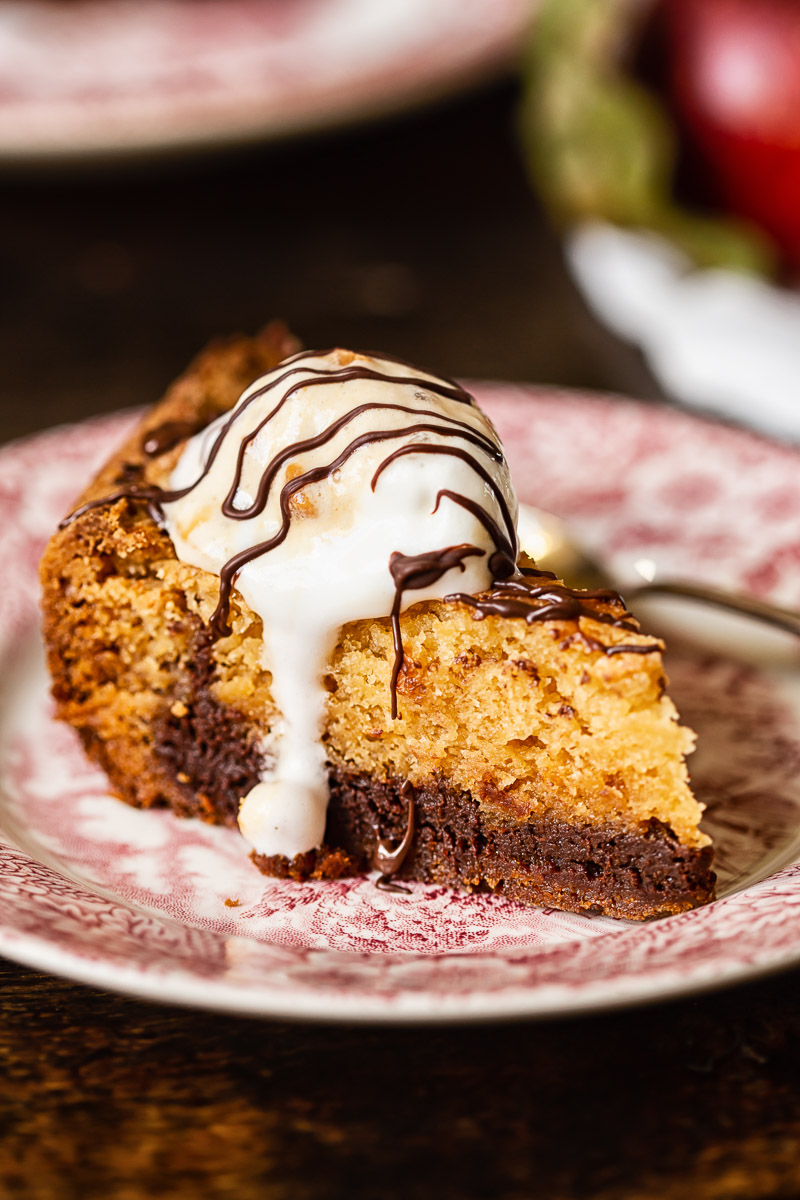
166,437
389,860
553,601
413,572
505,542
459,429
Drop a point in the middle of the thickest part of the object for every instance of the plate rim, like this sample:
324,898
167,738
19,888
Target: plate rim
218,998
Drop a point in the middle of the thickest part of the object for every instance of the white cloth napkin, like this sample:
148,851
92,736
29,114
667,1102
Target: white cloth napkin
718,340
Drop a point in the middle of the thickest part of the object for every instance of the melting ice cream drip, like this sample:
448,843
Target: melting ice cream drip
353,486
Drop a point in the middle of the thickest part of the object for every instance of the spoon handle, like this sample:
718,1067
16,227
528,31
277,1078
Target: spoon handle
762,610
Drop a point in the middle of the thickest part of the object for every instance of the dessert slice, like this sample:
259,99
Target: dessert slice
294,599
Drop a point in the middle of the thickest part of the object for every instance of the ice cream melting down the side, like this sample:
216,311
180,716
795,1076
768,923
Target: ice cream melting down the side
342,486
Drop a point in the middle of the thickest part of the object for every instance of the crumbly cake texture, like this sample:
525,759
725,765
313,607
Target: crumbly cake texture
538,766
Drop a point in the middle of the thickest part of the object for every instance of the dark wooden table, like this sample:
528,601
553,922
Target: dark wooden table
418,237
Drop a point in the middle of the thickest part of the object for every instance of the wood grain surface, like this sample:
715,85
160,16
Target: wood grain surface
419,237
105,1096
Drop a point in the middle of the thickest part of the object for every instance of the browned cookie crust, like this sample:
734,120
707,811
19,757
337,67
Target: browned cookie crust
496,714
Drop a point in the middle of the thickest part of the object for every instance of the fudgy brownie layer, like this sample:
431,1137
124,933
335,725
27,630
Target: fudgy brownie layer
210,750
581,868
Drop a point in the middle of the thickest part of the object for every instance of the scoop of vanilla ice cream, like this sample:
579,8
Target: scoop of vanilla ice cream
333,564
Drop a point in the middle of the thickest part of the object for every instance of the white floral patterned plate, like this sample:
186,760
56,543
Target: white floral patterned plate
173,910
119,76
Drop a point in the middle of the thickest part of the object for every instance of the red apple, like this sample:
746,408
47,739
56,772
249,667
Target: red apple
735,79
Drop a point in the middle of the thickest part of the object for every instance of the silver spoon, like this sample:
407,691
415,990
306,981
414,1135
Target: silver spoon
548,541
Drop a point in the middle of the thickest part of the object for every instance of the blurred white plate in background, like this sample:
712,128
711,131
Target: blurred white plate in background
720,340
100,77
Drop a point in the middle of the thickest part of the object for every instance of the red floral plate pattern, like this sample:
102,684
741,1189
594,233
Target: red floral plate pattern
136,901
117,76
